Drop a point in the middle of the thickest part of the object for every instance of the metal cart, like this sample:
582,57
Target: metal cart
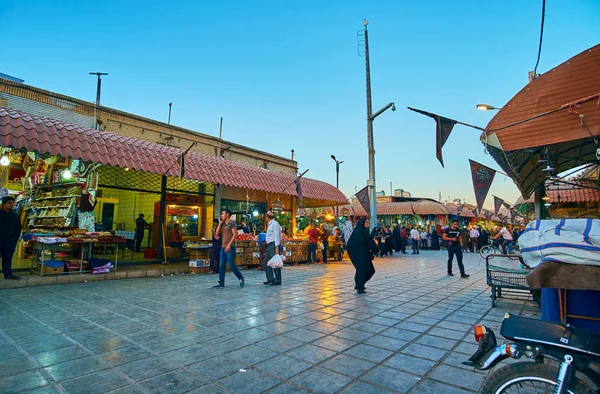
507,274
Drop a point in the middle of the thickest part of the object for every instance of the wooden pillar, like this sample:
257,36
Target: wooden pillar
293,218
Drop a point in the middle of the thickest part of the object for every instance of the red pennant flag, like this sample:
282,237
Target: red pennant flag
442,132
363,198
497,205
482,181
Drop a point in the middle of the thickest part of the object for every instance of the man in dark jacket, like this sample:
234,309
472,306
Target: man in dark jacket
10,231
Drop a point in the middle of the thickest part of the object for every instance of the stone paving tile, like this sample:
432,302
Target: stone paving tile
439,342
150,331
173,382
392,379
286,388
44,390
99,382
447,333
365,388
14,366
74,368
398,333
304,335
348,365
125,355
371,353
14,383
335,343
410,364
321,380
249,382
429,386
214,368
283,367
147,368
427,352
458,377
388,343
279,344
352,334
310,353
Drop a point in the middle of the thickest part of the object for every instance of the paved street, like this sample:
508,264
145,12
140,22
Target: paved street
313,334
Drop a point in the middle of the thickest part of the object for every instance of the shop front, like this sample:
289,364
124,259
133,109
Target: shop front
100,196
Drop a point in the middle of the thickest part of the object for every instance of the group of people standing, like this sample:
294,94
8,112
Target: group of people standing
400,237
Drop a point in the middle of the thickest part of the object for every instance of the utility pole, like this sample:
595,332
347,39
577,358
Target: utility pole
98,89
371,146
337,182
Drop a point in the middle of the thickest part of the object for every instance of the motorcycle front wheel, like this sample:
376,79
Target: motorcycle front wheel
529,377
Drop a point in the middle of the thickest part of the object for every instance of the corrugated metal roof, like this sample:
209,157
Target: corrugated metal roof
560,136
563,193
48,136
572,80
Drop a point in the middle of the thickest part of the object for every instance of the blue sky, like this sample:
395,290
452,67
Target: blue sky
286,74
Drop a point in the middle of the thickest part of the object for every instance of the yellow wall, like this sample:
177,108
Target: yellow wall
131,204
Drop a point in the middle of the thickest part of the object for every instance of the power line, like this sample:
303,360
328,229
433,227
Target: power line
541,37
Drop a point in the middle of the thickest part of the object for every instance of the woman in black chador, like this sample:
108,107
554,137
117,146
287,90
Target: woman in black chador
361,247
435,240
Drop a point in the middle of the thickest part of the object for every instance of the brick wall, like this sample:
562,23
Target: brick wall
53,105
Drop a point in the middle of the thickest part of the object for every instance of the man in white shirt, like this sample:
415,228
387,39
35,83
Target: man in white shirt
506,238
273,242
415,237
423,239
474,235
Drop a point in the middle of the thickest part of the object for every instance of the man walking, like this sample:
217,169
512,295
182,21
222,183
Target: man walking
10,231
313,238
273,242
140,225
404,238
215,249
324,238
415,236
454,242
474,235
227,229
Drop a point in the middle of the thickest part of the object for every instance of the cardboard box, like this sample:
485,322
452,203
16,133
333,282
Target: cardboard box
53,267
199,270
173,253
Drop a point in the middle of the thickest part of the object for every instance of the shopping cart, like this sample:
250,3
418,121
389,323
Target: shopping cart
506,274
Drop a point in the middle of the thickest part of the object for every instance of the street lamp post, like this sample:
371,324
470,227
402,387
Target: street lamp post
370,117
98,89
337,181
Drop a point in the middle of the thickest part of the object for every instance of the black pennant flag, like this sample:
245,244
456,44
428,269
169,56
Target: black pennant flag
482,181
442,132
363,198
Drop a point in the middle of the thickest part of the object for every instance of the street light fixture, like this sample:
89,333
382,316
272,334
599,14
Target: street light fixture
337,179
487,107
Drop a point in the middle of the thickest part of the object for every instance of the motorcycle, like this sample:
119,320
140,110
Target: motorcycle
560,355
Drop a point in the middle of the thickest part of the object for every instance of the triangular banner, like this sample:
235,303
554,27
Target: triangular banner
483,177
442,132
497,205
363,198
